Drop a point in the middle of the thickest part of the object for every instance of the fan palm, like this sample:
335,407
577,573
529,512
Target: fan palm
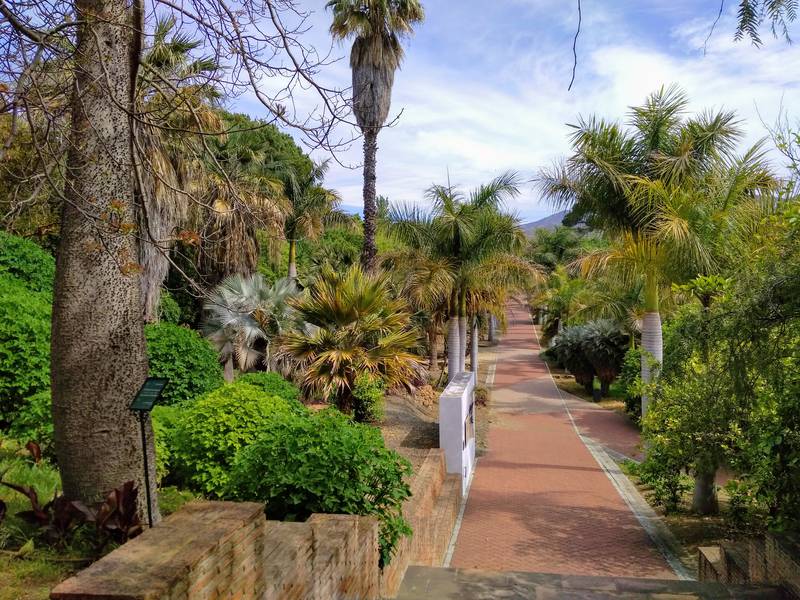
311,207
353,325
243,315
377,26
652,189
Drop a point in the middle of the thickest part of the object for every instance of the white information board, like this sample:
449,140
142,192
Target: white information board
457,426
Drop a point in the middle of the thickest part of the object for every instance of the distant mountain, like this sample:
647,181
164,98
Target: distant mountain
550,222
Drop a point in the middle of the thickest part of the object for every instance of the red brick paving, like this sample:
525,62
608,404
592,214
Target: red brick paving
539,501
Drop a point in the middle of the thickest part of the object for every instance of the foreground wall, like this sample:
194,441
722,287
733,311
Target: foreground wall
229,550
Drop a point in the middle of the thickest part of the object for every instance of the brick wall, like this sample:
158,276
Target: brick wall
774,560
229,550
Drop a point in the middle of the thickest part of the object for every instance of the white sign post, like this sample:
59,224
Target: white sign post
457,426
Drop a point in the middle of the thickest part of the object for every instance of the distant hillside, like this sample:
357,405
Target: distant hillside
550,222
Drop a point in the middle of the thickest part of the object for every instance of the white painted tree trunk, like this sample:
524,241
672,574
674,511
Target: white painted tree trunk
492,328
462,335
453,349
292,270
474,354
653,350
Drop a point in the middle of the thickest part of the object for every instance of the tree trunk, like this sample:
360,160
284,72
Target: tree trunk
474,355
228,373
453,348
492,329
604,388
98,359
704,501
433,355
292,270
370,250
462,331
652,343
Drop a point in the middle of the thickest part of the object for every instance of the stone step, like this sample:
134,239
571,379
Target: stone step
457,584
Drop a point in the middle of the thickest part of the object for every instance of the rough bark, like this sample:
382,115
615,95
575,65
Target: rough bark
228,372
98,357
704,500
474,354
453,349
433,355
462,340
492,329
653,347
369,250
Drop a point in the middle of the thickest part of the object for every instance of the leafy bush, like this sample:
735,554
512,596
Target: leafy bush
34,421
24,345
273,384
24,260
567,349
630,379
169,311
368,399
185,358
604,346
324,463
213,428
165,420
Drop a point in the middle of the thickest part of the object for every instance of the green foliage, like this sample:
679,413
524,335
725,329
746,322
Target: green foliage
26,261
24,345
368,398
662,473
34,421
212,429
630,379
164,420
324,463
272,384
183,357
169,311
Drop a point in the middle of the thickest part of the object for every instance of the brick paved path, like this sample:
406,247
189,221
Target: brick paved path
539,501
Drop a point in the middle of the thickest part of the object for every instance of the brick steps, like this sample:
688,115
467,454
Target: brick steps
437,583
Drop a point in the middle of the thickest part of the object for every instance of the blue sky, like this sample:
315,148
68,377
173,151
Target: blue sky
484,85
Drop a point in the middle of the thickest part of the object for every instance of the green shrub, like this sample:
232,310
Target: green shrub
325,463
27,262
213,428
24,345
169,311
165,420
630,379
185,358
273,384
368,399
34,421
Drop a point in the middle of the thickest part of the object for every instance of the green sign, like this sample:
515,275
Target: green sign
149,394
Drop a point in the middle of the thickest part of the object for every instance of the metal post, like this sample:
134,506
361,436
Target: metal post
146,470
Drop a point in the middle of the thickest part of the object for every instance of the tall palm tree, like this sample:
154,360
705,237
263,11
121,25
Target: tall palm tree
377,26
470,237
311,207
639,186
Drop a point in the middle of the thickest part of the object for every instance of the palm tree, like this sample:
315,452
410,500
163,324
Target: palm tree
352,325
641,186
377,26
243,315
472,239
311,207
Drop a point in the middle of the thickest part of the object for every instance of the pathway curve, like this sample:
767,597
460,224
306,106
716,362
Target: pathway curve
539,501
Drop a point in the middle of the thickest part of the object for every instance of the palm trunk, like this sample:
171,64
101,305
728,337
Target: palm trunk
462,330
98,358
652,342
228,373
453,348
370,250
433,355
474,354
492,329
292,270
704,500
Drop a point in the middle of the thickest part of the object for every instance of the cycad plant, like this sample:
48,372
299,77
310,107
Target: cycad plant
376,26
352,326
654,189
243,315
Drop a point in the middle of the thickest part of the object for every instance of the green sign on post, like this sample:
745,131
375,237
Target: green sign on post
143,403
